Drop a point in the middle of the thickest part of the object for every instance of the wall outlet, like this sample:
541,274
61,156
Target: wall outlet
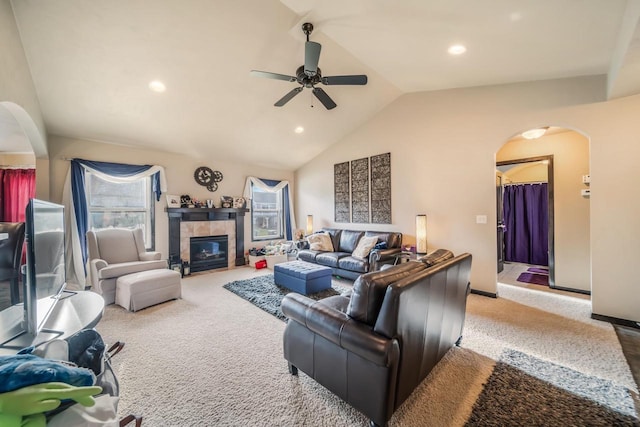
586,179
585,192
481,219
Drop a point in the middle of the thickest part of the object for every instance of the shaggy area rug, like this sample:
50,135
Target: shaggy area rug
213,359
524,390
264,293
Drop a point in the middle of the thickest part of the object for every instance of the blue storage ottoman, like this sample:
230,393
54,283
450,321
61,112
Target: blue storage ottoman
302,277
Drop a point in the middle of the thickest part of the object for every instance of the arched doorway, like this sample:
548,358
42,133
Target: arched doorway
18,137
17,161
559,160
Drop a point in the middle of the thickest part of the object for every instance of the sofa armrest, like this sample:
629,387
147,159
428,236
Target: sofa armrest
337,327
294,306
382,256
95,266
149,256
113,271
99,264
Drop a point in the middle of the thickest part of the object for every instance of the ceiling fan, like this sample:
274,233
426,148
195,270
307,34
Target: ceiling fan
309,75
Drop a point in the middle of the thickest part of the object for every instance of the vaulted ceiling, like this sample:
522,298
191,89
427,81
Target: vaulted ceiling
92,61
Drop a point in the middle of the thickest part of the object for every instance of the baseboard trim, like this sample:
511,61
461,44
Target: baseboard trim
578,291
484,293
616,320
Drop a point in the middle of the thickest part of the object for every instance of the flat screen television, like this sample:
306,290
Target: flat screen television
43,278
45,271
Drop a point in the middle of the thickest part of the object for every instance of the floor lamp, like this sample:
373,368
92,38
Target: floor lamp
421,234
309,224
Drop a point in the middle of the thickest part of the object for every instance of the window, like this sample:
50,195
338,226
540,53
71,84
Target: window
267,218
124,205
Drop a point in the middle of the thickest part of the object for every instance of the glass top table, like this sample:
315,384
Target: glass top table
73,312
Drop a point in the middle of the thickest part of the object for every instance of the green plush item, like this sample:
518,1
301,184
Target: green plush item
24,407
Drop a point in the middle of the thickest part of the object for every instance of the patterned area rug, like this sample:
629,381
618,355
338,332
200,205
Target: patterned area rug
523,390
264,293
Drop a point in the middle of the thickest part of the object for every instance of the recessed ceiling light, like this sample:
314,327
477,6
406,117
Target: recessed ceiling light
157,86
534,133
299,129
457,49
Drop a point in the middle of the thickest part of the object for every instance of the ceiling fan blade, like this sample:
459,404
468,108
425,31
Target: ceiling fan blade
274,76
288,97
311,58
324,98
345,80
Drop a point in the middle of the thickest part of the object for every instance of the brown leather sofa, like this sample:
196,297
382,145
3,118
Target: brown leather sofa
374,347
344,243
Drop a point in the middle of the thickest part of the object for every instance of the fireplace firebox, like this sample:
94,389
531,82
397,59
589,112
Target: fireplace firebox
208,253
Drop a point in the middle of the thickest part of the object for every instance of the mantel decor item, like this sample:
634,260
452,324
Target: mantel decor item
239,203
173,201
226,202
185,201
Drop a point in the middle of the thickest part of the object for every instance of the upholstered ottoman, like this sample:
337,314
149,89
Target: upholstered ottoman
136,291
302,277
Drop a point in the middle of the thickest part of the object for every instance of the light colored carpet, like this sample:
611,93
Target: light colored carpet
213,358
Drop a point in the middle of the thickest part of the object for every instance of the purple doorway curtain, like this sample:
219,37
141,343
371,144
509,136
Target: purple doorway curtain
526,217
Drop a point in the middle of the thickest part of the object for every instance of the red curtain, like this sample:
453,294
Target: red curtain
17,186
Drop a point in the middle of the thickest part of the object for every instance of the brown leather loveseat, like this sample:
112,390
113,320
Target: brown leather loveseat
374,347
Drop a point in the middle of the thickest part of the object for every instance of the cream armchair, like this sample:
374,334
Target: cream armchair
115,252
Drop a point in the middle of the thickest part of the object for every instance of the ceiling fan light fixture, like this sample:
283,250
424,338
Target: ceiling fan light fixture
534,133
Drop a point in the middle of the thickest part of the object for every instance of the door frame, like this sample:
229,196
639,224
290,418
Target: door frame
551,231
500,223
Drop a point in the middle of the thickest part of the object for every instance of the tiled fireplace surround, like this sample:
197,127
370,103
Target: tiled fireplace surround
190,229
185,223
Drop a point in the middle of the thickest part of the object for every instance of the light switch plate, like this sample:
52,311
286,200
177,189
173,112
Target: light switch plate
481,219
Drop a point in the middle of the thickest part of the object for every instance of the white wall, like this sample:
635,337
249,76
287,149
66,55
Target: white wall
16,84
570,152
17,159
525,172
443,147
179,171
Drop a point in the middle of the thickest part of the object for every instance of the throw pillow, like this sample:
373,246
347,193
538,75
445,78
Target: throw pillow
380,245
364,247
320,242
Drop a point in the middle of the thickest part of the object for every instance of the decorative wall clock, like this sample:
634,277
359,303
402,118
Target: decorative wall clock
203,175
207,177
